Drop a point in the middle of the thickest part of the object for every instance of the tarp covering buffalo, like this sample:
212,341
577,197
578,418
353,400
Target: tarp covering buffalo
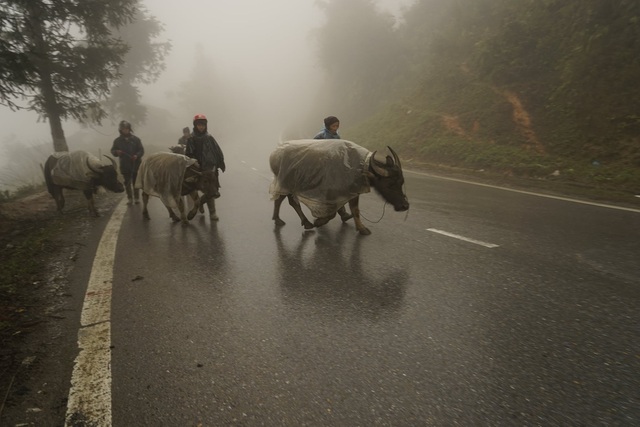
322,174
161,175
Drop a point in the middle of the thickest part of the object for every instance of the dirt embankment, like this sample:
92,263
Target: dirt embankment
36,255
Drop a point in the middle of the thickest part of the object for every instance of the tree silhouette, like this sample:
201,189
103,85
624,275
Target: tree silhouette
61,57
358,50
143,64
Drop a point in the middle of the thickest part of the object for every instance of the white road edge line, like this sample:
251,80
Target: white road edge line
466,239
90,393
531,193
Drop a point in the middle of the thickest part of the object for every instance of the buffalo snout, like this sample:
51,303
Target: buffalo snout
402,206
119,188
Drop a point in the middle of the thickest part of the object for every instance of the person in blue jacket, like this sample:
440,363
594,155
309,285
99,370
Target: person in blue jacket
330,131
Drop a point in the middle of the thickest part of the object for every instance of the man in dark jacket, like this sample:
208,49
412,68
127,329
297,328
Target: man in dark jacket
203,147
129,148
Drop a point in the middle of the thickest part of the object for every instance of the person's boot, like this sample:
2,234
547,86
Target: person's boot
212,210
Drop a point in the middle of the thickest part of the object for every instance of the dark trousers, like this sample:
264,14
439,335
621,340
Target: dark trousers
129,183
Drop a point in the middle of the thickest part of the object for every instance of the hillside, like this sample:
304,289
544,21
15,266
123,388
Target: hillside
544,90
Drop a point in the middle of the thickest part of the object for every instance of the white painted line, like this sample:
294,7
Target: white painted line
90,394
466,239
531,193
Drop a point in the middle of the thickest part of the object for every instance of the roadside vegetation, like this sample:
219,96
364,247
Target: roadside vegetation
538,90
28,232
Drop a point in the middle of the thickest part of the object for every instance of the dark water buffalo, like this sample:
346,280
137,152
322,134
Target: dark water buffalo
170,176
324,175
79,170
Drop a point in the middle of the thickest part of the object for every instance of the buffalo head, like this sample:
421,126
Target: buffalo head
387,179
106,176
208,184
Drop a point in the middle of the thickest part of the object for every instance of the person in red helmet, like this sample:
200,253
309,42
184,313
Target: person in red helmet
130,150
203,147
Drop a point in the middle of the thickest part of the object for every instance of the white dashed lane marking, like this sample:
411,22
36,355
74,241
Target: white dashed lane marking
466,239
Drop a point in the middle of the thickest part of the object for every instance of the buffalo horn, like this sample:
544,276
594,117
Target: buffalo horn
113,162
376,166
396,159
92,169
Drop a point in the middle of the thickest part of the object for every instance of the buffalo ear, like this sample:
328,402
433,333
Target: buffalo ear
191,179
378,166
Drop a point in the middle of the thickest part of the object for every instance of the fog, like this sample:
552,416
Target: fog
263,67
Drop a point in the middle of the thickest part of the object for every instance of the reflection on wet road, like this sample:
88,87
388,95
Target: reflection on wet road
239,322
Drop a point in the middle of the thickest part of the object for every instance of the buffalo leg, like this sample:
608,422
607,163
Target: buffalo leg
173,215
344,215
355,211
295,204
196,205
183,216
58,197
145,201
276,211
91,203
319,222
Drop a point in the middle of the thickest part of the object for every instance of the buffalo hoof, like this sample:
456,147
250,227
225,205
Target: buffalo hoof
346,217
279,222
191,215
175,219
364,231
145,215
319,222
213,217
201,209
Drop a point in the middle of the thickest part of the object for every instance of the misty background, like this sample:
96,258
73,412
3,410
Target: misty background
260,56
535,90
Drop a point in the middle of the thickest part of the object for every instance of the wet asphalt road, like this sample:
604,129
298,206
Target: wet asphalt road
238,323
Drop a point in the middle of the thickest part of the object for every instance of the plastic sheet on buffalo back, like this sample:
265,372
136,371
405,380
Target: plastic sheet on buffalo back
323,174
161,175
72,169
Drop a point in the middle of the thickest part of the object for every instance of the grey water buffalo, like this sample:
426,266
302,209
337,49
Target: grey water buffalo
326,174
79,170
170,176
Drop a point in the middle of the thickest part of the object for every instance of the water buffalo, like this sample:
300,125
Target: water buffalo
178,149
324,175
79,170
170,176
